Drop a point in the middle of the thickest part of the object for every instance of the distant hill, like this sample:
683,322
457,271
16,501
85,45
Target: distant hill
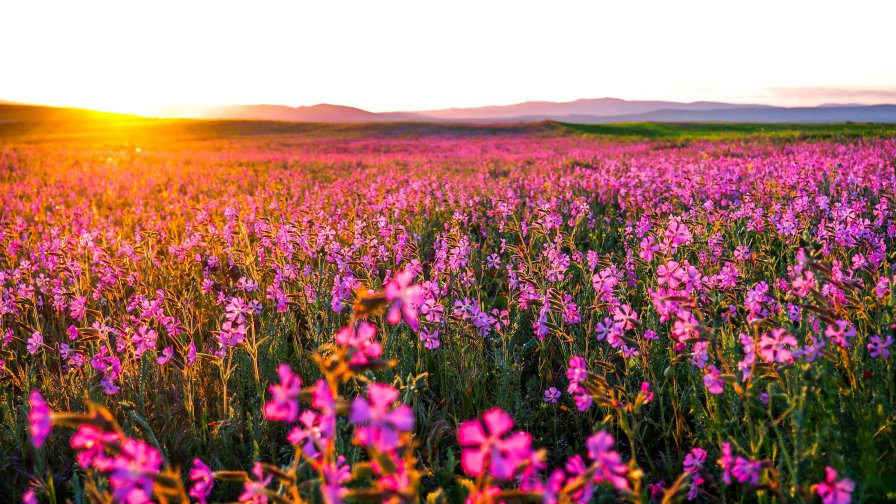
316,113
596,111
587,111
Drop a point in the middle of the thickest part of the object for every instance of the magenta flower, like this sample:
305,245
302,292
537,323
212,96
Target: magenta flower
878,349
840,333
312,435
694,460
774,347
39,419
645,390
485,447
404,299
577,371
284,403
91,441
132,471
29,497
35,342
362,340
335,476
255,491
833,491
430,338
202,481
380,423
713,380
580,396
145,339
78,307
607,463
167,355
744,470
625,317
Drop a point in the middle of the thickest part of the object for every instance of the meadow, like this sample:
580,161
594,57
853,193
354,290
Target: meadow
551,313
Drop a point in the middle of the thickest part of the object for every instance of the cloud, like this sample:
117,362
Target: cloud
820,95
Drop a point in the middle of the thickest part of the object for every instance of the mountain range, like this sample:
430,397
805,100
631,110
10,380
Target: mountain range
586,111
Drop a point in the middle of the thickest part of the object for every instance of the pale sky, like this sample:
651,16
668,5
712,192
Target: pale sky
136,56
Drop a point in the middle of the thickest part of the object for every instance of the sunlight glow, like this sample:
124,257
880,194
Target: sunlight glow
137,57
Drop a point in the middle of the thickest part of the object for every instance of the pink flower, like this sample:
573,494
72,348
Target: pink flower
167,355
840,333
379,422
625,317
576,372
254,491
335,475
203,481
313,434
39,420
607,463
694,460
284,405
78,307
404,299
713,381
91,442
484,447
145,339
430,338
645,390
362,340
551,395
29,497
773,348
833,491
132,471
878,349
35,342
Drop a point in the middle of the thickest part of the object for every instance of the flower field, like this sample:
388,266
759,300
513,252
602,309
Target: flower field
515,317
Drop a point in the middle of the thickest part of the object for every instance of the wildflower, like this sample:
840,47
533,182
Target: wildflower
29,497
840,332
607,463
430,338
625,317
335,475
39,419
284,405
203,481
773,348
145,339
485,447
380,423
580,396
35,342
90,442
878,348
132,471
576,372
362,340
646,392
713,381
255,491
833,491
404,299
78,307
167,355
312,434
551,395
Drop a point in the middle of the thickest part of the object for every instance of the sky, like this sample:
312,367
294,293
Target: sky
141,56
